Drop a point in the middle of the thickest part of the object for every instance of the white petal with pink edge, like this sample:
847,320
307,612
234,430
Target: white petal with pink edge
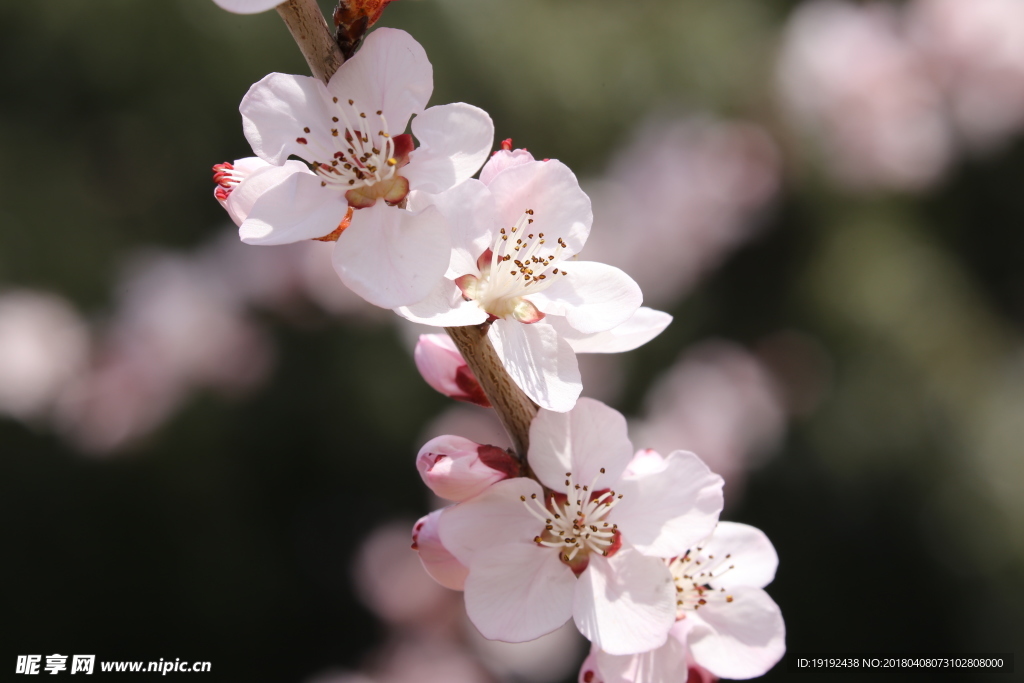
455,140
389,73
584,441
436,559
295,209
539,361
593,297
666,513
625,604
518,592
392,257
740,639
549,189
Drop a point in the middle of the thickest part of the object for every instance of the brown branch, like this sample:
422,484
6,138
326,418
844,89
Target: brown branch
514,408
309,29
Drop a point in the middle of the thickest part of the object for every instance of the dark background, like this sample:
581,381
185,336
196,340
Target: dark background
228,534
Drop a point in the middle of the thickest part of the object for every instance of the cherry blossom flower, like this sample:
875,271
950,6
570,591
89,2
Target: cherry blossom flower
727,626
351,132
444,369
588,541
458,469
513,241
248,6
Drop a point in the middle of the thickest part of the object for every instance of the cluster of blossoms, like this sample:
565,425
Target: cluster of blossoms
580,526
892,94
626,544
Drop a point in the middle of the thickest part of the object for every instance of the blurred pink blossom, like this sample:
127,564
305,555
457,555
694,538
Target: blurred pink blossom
701,186
390,581
177,327
975,50
850,78
44,344
719,401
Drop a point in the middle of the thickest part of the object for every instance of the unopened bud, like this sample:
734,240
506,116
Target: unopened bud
458,469
439,563
444,369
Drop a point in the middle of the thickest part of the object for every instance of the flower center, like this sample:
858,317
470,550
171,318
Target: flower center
575,523
697,580
360,157
519,263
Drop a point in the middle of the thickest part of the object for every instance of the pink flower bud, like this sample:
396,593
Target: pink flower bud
458,469
444,369
437,561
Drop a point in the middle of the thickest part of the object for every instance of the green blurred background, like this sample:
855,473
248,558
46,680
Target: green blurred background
228,534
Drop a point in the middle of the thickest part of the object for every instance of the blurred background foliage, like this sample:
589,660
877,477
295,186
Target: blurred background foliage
228,533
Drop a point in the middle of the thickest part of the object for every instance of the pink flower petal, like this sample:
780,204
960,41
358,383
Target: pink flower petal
625,604
437,560
642,327
392,257
754,559
519,592
454,141
549,188
739,639
666,513
502,159
296,208
644,462
593,297
260,177
277,110
496,517
539,361
665,664
390,73
584,440
444,307
470,210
